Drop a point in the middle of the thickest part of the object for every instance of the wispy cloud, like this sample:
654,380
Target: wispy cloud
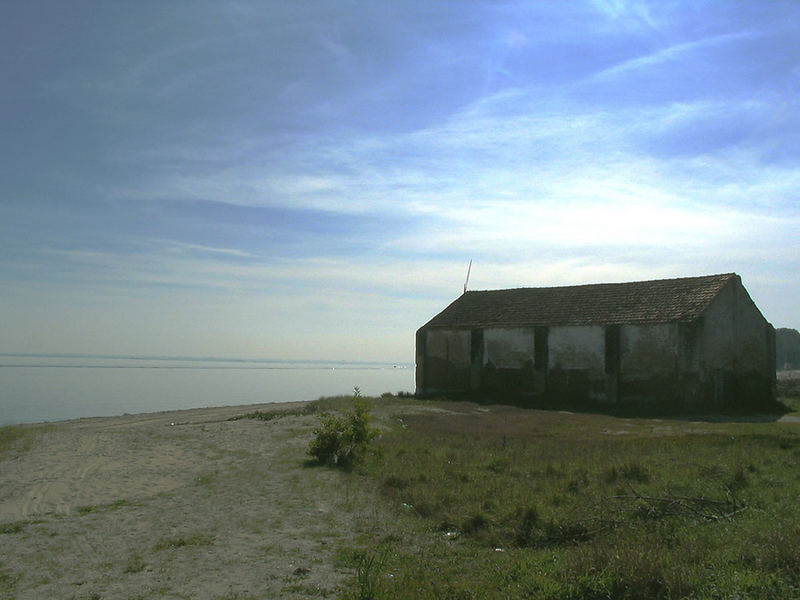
681,52
318,163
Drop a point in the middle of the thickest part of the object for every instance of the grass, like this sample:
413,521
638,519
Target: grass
320,405
7,581
788,390
195,539
18,438
541,504
309,408
13,527
135,564
111,506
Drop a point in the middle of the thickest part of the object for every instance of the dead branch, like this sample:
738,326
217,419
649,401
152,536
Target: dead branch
709,509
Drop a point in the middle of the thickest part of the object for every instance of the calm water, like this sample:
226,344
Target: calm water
50,388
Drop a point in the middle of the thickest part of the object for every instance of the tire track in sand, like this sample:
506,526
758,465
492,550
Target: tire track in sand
59,482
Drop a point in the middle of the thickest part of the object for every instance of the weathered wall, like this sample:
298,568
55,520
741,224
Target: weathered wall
752,337
725,358
577,347
717,340
649,350
576,363
419,355
447,360
735,351
508,348
755,352
507,363
649,357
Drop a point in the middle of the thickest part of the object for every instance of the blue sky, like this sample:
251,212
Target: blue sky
311,179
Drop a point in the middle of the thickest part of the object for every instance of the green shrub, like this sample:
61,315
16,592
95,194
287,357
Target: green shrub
342,439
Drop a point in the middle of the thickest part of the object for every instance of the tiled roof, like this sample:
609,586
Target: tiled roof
658,301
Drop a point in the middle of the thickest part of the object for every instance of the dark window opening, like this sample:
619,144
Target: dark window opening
612,349
476,346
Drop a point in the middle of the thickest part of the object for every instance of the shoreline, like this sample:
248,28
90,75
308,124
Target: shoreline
176,416
53,394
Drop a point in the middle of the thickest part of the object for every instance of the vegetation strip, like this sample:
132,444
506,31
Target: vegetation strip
538,504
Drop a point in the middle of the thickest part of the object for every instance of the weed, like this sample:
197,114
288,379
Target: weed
497,465
135,563
7,579
527,526
475,523
634,472
739,480
342,440
308,408
206,478
233,595
348,558
116,505
18,438
396,482
368,573
196,539
13,527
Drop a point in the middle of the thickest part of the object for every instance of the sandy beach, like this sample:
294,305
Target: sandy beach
182,504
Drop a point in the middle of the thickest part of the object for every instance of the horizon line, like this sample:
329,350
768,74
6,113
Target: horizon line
195,358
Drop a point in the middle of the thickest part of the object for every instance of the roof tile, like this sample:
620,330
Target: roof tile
657,301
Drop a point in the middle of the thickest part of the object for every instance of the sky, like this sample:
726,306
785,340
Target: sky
309,180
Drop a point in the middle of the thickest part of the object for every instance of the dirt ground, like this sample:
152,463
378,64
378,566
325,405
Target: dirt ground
181,504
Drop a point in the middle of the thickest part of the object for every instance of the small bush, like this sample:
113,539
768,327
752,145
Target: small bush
342,440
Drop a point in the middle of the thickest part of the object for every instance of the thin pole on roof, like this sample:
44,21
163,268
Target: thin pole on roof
466,281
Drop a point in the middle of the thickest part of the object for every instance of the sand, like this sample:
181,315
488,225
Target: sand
182,504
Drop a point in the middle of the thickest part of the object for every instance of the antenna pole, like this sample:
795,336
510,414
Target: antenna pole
466,281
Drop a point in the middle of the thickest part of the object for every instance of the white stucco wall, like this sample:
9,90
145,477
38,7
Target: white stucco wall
508,348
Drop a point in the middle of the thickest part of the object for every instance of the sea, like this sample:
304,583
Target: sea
38,387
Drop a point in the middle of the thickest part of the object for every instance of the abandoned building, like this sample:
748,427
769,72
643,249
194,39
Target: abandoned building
690,343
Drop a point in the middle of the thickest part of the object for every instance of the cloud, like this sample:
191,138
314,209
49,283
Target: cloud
682,52
511,173
316,164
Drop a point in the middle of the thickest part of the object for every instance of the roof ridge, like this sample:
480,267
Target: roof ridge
608,283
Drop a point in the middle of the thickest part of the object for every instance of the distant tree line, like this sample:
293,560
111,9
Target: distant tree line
787,349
